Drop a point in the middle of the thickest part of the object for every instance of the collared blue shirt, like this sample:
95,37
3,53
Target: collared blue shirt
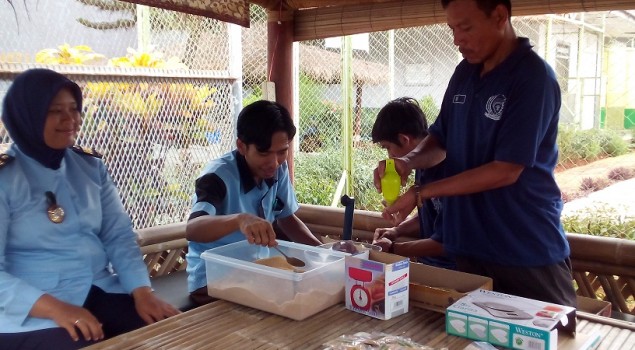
226,186
37,256
510,114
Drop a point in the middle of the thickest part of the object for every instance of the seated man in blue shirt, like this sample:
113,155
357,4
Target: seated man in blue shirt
239,195
400,126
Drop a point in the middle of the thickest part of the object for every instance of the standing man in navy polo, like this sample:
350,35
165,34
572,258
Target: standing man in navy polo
497,132
239,195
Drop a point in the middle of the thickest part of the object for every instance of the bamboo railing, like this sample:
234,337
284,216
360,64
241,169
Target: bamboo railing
603,268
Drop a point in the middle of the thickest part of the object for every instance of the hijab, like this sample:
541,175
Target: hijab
25,109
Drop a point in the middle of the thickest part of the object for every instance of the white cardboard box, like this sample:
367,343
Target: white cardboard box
509,321
377,286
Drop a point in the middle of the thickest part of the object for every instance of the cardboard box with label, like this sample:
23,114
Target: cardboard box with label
435,288
509,321
377,286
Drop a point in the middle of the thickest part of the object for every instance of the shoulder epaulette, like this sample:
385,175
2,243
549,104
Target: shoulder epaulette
87,150
5,159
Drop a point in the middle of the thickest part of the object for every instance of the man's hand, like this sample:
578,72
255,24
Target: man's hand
257,230
403,206
384,243
149,307
401,166
390,233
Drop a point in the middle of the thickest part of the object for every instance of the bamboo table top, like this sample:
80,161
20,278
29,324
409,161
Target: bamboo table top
225,325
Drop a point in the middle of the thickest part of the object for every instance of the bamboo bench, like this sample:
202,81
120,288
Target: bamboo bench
164,248
603,268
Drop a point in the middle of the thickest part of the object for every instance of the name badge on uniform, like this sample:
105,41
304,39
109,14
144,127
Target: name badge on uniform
459,99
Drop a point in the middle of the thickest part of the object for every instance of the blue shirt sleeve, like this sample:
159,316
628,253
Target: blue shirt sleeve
119,238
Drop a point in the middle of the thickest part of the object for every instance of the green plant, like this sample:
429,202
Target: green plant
366,123
587,145
317,176
600,221
429,108
311,101
253,95
365,160
611,142
324,127
128,121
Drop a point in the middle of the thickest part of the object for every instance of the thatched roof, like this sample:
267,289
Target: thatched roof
325,65
320,64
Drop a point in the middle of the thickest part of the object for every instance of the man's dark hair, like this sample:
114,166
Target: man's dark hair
399,116
258,122
487,6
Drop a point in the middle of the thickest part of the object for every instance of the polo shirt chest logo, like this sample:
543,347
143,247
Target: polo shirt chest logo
494,107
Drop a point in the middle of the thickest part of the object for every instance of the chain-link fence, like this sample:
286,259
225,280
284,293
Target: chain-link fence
158,98
162,121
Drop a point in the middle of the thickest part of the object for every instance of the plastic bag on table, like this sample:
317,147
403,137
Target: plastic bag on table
374,341
480,345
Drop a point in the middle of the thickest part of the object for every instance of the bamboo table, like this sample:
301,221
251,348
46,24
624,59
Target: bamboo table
225,325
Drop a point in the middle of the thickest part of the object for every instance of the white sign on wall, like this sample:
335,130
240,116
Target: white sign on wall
418,74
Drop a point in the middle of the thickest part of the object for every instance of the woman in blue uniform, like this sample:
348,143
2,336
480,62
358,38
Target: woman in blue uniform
71,272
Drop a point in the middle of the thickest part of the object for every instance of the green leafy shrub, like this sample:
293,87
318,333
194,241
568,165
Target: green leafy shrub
365,160
612,143
255,94
368,117
429,108
600,222
587,145
317,176
320,121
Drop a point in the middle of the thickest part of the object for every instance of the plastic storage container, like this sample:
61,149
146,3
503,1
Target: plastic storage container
232,275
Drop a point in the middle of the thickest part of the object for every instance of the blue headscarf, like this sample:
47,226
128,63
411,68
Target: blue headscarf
25,109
